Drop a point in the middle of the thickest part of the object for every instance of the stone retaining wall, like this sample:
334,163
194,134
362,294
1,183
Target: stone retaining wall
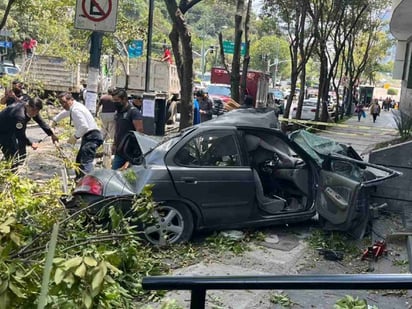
396,192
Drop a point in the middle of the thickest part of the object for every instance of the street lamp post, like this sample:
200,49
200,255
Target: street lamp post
204,54
275,63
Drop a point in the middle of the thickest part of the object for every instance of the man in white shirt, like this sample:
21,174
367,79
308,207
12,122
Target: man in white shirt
85,128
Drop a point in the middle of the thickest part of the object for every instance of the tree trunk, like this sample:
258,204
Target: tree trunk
235,74
181,40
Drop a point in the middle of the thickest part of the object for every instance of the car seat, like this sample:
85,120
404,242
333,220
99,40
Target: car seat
268,204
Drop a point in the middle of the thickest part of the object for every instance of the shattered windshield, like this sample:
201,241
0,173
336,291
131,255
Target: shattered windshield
316,145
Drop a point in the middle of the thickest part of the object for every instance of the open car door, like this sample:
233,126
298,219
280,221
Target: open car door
342,199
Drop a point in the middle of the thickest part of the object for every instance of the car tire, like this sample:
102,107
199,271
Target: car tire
173,224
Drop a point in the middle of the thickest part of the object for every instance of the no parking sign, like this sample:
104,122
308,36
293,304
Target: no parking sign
97,15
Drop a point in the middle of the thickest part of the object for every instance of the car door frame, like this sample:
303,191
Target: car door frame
243,175
349,214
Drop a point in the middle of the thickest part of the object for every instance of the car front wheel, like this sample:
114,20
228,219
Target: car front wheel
173,223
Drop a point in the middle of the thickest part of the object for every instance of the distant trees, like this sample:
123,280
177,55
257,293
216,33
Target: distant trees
340,36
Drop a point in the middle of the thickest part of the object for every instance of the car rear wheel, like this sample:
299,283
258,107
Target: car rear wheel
173,224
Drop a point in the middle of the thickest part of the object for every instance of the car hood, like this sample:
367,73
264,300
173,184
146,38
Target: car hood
318,147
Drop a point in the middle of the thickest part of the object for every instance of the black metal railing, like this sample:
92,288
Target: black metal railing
199,285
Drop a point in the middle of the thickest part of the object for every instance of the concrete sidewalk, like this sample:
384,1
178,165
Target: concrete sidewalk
364,135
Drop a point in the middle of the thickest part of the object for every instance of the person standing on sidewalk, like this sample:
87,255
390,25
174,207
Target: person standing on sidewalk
85,129
375,110
359,111
205,106
127,118
107,115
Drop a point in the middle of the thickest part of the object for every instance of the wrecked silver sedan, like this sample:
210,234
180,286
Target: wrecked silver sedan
239,170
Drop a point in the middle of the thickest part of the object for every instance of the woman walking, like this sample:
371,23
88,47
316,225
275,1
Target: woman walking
375,110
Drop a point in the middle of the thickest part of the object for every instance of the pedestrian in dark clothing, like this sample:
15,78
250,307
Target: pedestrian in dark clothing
13,95
14,119
127,118
85,129
247,102
137,101
359,111
205,106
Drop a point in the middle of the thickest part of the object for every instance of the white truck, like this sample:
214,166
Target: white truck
163,80
54,74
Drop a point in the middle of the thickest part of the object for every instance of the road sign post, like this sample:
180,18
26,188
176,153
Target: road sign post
97,15
229,48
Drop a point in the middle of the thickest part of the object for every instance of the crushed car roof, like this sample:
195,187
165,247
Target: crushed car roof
255,117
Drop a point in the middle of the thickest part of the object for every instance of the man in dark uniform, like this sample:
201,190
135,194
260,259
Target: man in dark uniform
14,119
127,118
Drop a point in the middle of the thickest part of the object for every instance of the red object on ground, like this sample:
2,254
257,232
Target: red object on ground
378,249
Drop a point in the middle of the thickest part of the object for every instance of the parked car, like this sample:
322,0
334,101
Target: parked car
238,170
9,69
278,98
308,109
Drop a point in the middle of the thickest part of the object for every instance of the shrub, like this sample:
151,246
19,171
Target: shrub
403,123
392,91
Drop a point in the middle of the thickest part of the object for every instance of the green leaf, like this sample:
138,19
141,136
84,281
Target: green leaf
69,279
58,275
3,286
59,260
87,300
115,218
89,261
74,262
99,276
113,268
15,238
4,301
81,271
109,279
16,290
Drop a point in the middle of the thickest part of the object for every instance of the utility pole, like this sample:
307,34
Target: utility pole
94,70
149,46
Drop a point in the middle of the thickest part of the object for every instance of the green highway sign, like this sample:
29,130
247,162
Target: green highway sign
229,48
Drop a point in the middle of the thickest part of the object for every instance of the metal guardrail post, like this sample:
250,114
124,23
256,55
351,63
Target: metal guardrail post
198,298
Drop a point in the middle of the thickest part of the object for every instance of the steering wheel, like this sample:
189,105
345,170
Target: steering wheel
268,166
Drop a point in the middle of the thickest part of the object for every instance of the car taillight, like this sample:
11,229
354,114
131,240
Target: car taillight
90,184
313,110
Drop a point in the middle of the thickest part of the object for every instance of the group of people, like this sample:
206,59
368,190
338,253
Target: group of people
119,115
374,109
118,112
